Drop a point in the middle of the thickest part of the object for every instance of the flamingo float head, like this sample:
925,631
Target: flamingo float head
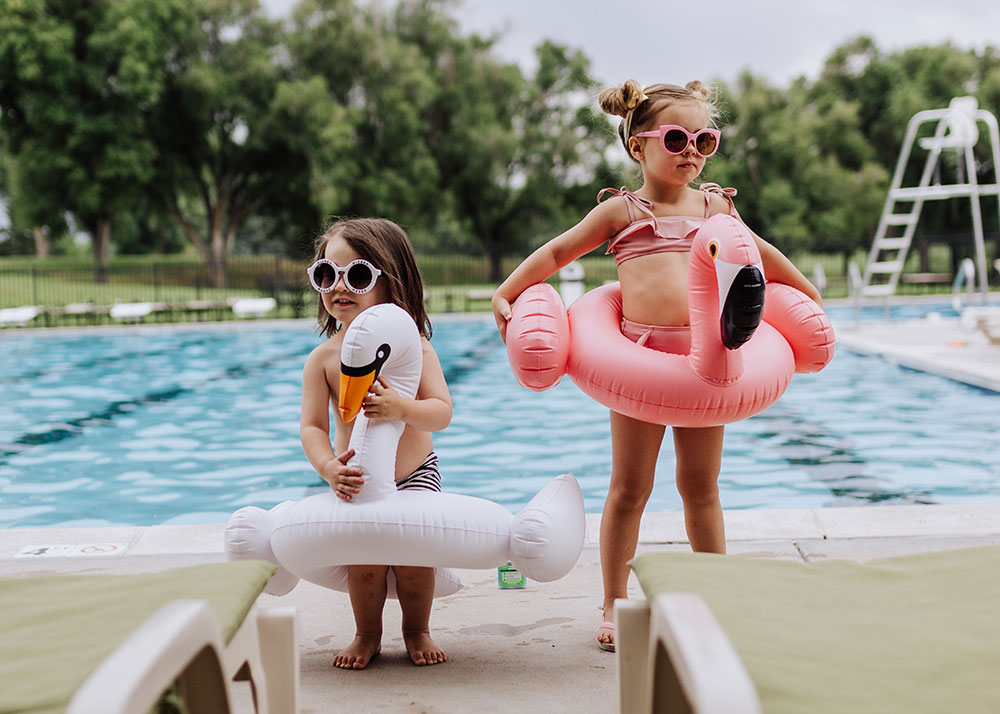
726,283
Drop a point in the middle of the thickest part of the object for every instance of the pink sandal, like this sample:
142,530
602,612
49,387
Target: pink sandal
610,627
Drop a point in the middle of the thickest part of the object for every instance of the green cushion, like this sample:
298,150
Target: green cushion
918,633
56,630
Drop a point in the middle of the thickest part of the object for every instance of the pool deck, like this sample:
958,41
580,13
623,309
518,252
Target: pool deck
534,649
530,649
939,345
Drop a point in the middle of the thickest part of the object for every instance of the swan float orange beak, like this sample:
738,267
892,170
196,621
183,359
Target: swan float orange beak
356,382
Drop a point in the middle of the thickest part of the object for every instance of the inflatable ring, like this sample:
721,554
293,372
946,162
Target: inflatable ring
316,538
741,359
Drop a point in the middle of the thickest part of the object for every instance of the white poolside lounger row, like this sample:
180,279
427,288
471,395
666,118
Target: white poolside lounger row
136,311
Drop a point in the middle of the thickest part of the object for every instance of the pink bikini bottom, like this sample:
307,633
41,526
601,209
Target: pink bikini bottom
675,339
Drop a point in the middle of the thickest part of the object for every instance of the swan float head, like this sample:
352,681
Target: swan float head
382,341
355,383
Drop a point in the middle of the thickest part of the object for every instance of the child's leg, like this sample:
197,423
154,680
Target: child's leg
634,447
367,588
415,589
699,460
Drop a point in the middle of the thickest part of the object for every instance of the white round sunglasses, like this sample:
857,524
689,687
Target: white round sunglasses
359,275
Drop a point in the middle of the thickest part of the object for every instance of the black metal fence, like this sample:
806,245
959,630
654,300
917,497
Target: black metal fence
54,292
63,292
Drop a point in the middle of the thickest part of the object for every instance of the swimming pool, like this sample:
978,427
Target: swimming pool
186,424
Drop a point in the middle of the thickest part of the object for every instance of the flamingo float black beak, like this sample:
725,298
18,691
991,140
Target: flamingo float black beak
744,307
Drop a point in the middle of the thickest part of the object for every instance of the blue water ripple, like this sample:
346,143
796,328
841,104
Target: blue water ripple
186,425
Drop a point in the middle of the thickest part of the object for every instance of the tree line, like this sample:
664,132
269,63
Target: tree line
158,125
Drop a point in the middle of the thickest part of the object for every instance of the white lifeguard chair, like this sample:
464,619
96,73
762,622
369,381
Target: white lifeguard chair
957,130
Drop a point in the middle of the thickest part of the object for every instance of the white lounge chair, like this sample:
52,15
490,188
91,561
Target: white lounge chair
131,311
114,644
253,307
19,316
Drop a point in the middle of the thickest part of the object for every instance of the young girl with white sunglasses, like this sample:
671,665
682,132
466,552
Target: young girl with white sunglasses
667,130
360,263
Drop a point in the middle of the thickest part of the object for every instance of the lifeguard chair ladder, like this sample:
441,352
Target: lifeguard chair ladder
957,130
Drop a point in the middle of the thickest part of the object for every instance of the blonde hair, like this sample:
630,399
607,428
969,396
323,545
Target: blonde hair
638,105
386,246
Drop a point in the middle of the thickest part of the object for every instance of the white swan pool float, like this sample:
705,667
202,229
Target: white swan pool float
316,538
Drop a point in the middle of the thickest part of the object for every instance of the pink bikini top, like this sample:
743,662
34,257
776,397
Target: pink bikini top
658,234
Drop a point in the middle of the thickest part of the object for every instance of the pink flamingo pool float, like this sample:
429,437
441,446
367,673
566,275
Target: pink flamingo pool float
747,340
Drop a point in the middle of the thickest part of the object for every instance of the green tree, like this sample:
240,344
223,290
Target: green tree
382,86
510,148
448,139
237,133
76,85
803,165
891,88
12,238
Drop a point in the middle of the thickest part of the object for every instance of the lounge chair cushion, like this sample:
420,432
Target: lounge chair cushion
918,633
55,630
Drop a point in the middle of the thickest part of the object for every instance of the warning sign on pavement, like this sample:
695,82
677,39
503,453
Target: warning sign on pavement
70,550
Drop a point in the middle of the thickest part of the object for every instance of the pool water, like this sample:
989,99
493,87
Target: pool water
186,424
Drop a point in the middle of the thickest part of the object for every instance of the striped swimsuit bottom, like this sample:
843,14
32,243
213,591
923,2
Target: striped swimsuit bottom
426,477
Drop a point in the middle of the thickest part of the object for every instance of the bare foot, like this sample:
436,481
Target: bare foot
422,648
359,653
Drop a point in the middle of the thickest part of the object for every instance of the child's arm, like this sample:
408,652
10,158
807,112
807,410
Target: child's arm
599,225
314,430
430,411
777,268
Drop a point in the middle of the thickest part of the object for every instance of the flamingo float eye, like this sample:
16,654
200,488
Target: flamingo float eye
713,249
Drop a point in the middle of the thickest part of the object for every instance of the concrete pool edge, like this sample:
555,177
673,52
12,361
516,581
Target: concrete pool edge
939,347
207,325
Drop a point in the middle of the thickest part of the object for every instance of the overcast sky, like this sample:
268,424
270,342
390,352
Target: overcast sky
670,41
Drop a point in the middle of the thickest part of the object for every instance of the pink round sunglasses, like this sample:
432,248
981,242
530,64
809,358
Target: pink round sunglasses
675,139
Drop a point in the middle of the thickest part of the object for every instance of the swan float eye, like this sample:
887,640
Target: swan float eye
713,249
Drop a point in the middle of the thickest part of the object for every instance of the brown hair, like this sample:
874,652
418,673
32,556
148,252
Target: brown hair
638,106
386,246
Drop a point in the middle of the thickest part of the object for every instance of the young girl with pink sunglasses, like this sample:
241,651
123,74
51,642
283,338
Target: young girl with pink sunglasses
667,130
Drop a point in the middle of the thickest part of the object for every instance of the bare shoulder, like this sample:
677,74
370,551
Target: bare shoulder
327,349
600,224
716,203
432,379
428,349
325,356
612,213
